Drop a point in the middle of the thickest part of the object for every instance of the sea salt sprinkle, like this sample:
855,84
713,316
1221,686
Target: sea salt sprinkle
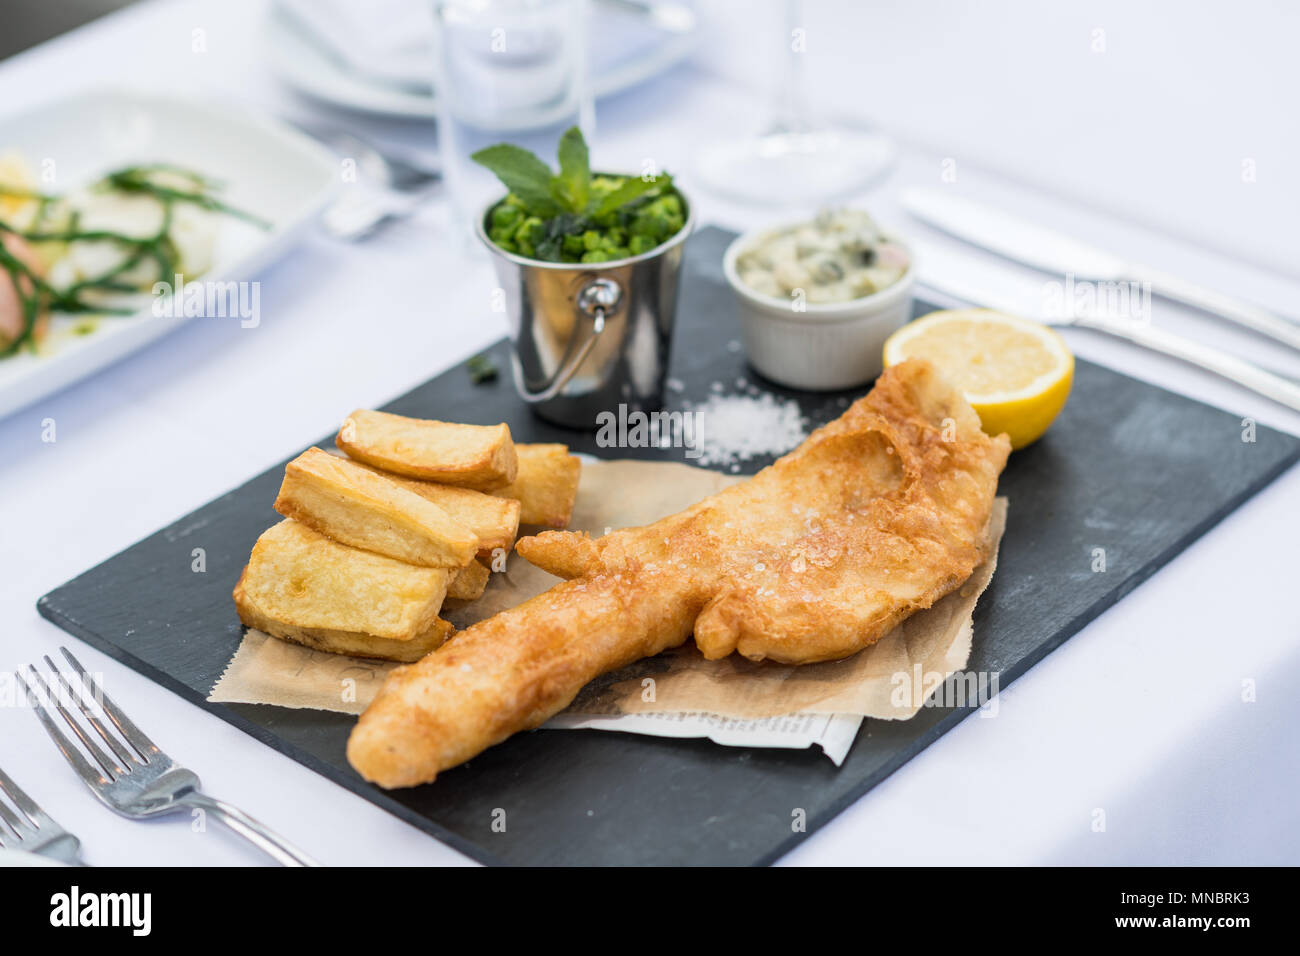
736,428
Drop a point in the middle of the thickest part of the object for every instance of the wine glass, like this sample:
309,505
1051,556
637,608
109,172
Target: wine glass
797,160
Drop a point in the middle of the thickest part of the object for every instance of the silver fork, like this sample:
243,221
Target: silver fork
140,782
29,828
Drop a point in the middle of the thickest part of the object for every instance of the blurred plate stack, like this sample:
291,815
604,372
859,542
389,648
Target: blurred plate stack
378,58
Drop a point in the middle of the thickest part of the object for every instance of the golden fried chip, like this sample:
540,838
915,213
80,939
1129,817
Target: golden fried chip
469,582
304,587
351,643
354,505
494,521
546,486
472,456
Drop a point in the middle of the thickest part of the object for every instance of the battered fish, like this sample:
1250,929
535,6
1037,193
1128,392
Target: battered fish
876,515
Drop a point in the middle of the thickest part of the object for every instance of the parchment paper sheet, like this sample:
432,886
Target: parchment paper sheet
733,701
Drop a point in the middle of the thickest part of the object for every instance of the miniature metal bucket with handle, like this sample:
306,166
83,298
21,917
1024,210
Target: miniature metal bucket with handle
590,336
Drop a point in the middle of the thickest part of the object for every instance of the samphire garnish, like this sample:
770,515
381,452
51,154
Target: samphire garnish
51,224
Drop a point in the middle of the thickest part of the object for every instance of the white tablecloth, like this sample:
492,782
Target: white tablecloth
1140,714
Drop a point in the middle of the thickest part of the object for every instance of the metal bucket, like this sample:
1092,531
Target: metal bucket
590,336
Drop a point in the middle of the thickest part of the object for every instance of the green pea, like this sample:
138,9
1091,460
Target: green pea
504,216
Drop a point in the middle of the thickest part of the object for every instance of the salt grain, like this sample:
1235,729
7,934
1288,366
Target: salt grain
736,428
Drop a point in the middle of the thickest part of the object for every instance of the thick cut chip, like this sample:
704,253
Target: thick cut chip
494,521
303,587
472,456
546,486
351,643
353,505
469,582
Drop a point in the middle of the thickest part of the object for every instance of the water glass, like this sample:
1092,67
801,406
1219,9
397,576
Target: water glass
505,71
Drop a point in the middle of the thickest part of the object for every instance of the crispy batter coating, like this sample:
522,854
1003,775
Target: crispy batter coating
509,673
876,515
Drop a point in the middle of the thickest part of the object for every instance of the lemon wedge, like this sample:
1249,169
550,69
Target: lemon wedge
1016,373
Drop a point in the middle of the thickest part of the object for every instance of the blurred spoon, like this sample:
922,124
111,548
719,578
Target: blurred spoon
389,186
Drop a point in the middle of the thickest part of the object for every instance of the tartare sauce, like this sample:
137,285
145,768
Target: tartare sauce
839,256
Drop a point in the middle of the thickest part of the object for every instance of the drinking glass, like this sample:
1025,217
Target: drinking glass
505,71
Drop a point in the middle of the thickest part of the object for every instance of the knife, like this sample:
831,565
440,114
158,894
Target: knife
956,276
1051,251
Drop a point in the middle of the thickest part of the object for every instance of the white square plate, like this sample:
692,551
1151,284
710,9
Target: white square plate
266,168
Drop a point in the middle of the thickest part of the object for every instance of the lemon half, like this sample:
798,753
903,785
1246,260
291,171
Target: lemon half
1016,373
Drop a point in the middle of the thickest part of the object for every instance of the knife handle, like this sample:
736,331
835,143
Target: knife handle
1230,367
1224,306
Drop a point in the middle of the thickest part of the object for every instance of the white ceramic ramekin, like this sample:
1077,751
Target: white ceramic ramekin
822,346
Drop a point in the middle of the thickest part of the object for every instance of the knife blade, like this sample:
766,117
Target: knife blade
1050,251
955,276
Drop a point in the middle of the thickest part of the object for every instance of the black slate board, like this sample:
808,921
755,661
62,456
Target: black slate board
1129,468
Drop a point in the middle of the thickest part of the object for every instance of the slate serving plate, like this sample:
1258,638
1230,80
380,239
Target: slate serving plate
1129,468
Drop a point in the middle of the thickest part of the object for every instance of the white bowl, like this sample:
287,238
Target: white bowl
820,346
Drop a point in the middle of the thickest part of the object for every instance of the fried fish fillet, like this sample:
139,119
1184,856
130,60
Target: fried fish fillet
876,515
303,587
353,505
472,456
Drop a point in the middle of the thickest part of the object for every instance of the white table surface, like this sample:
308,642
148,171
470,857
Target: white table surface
1140,714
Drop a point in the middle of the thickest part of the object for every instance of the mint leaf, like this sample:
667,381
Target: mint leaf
573,184
523,174
629,189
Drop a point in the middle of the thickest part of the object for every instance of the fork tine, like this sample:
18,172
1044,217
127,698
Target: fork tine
70,753
20,826
125,756
15,824
23,802
137,737
74,756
